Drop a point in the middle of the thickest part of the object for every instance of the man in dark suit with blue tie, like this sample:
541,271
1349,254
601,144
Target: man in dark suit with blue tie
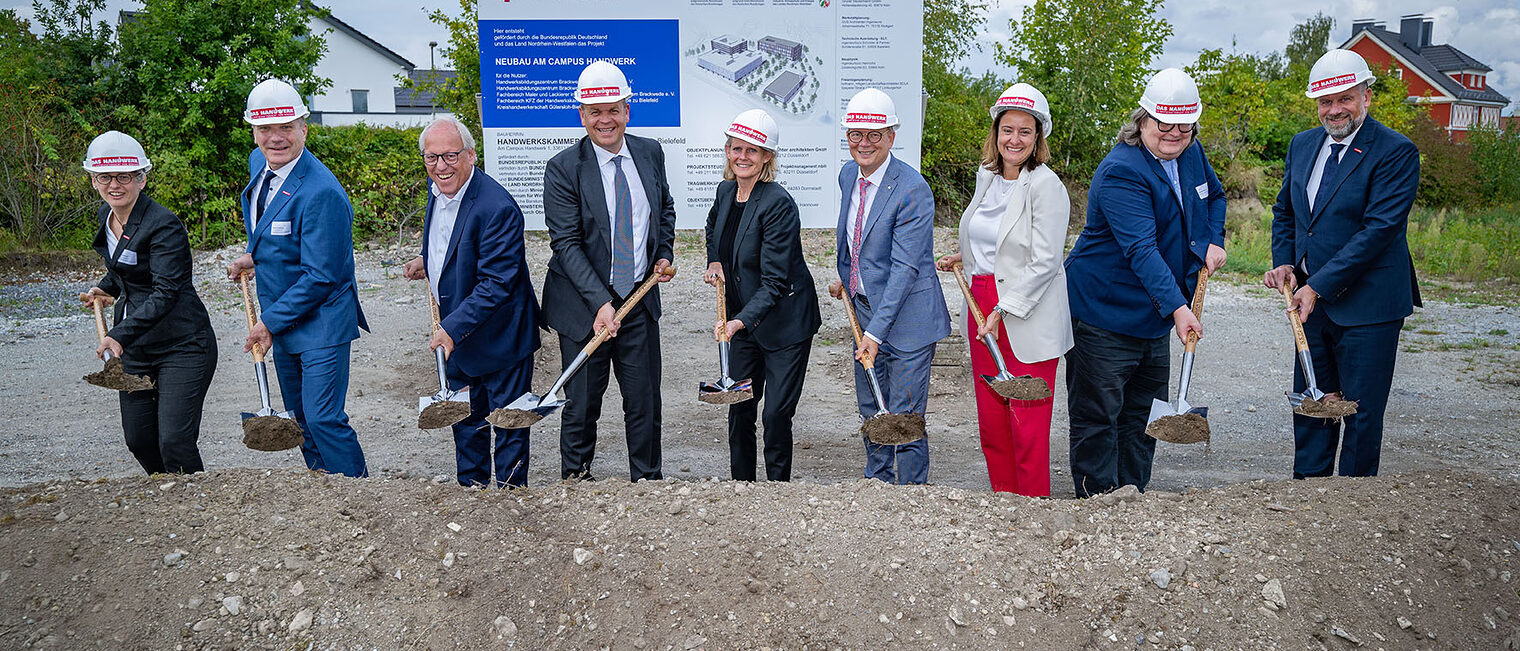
611,222
1155,217
1338,236
473,259
300,235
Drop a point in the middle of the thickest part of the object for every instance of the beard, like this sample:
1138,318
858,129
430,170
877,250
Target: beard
1345,130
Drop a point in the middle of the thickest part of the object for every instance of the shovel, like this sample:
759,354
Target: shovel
265,430
883,427
1023,387
1312,402
531,407
112,376
1183,423
446,407
726,390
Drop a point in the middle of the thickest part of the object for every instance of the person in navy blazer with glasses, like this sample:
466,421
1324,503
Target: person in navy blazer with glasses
1338,237
1155,217
473,257
300,239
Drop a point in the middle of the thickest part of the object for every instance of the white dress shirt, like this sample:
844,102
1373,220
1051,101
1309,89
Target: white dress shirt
983,227
865,217
635,193
1319,162
274,186
445,213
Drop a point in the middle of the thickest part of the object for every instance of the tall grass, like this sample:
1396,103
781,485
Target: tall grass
1448,244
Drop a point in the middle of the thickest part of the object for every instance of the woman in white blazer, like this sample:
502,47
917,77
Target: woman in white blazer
1012,239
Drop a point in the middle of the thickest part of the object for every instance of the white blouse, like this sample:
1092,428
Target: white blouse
982,228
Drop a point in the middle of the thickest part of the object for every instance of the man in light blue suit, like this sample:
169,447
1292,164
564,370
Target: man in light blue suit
473,258
886,263
1338,237
300,239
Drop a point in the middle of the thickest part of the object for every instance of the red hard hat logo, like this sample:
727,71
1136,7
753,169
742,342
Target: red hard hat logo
273,112
1019,102
114,161
603,91
1176,109
872,118
741,130
1332,82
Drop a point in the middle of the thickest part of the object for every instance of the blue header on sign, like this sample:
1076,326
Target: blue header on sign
528,69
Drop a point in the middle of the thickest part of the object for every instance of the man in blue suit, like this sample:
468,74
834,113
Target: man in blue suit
1155,216
300,238
472,256
885,245
1338,235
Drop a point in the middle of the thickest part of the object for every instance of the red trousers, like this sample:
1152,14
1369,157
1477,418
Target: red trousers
1015,433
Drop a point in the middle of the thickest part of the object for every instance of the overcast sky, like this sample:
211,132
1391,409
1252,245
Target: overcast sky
1486,29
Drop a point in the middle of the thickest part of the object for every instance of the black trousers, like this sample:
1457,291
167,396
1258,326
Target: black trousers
777,378
634,356
1111,380
163,425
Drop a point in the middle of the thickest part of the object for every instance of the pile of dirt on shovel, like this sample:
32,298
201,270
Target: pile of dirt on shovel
114,376
260,559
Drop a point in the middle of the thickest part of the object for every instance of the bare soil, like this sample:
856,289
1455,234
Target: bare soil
112,376
1222,553
893,429
271,433
1179,428
1329,409
1023,387
443,414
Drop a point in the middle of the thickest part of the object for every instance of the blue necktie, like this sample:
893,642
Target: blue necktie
1171,174
622,231
1327,177
258,211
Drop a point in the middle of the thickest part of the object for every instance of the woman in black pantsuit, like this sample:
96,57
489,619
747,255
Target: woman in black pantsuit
161,328
754,247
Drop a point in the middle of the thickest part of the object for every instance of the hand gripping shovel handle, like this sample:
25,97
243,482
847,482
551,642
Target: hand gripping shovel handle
849,311
253,319
1300,342
976,310
1203,282
100,323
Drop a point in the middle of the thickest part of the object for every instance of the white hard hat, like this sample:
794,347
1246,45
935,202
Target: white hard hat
602,83
1026,98
1171,96
274,102
114,151
757,128
1336,71
870,109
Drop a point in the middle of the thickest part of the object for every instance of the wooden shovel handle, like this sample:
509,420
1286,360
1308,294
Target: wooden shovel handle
976,310
849,311
1203,282
433,309
628,305
253,319
1300,342
722,310
100,319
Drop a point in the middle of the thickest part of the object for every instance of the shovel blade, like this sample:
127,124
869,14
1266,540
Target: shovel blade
462,395
1201,411
268,412
541,405
1159,410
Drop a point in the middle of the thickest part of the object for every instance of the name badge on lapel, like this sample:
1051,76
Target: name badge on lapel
128,256
1202,190
279,228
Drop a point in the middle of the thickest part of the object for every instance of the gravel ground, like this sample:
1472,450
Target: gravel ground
1453,404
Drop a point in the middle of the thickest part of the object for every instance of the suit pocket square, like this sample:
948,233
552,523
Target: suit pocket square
128,256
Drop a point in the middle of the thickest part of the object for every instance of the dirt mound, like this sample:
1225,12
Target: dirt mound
282,559
113,376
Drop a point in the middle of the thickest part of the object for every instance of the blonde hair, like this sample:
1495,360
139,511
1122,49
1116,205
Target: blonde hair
767,171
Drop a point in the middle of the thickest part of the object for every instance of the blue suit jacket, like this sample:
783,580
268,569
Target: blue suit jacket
896,258
484,296
1138,257
1353,242
303,250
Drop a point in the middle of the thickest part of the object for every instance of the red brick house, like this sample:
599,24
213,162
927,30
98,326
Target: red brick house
1450,83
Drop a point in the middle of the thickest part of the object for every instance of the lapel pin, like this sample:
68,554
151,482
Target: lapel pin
1356,150
288,194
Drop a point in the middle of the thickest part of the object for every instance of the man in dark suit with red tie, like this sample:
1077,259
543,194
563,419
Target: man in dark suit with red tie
611,222
1338,237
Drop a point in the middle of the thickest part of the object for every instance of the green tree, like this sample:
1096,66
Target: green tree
457,94
1091,58
1308,41
184,97
1233,93
955,119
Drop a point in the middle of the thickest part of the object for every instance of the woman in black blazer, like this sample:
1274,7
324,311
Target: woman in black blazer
161,328
754,247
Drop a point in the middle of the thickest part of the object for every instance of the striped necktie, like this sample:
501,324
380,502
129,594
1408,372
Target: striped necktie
855,237
622,232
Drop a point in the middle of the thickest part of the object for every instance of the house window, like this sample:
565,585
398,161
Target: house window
361,100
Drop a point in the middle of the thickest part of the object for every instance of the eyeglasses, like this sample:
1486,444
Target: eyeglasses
121,178
855,137
1167,128
449,157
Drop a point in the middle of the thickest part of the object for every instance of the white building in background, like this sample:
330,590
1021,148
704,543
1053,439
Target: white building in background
364,87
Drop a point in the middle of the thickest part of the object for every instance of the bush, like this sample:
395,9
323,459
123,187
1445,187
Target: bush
382,171
1474,246
1448,177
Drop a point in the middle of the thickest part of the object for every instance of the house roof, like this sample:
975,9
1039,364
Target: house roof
420,100
1390,41
372,43
1447,58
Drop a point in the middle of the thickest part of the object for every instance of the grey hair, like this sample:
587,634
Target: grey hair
464,133
1129,133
